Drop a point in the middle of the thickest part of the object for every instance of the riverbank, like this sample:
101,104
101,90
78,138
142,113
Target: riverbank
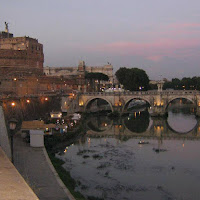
55,142
33,166
52,144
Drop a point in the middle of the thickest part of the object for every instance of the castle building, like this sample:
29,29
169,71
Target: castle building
20,55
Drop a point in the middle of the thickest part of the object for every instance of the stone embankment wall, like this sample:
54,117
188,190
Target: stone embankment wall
4,140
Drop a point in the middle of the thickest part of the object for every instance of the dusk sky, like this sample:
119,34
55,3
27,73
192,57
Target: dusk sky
160,36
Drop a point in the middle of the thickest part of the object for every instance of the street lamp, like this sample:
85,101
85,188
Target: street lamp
12,126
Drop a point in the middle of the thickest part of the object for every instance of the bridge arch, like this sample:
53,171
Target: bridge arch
134,98
94,98
179,97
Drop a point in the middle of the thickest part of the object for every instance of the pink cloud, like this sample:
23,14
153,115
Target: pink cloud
155,58
154,51
184,25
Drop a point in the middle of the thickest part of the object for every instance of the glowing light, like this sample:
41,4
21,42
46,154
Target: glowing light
13,104
65,151
15,79
46,99
28,101
80,103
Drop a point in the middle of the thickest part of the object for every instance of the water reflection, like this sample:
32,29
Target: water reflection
110,162
181,119
139,123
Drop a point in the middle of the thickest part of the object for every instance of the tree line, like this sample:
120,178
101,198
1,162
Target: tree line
184,83
135,79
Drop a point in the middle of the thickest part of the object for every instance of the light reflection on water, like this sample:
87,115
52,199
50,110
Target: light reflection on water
110,167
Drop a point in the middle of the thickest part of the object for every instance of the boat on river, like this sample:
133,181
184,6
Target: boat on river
143,142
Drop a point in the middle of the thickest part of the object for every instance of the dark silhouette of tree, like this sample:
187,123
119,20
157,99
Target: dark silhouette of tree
185,83
92,77
133,79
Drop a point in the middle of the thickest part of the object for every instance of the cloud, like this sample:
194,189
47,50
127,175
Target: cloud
153,51
184,25
154,58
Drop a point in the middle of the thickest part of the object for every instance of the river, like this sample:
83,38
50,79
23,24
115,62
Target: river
109,163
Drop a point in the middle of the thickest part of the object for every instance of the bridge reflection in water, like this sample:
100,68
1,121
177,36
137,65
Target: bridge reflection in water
180,124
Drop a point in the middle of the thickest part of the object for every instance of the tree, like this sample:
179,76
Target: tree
92,77
133,79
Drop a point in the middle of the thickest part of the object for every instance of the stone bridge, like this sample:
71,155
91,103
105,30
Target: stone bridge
158,100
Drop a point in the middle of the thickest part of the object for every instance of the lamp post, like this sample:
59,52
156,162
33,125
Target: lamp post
12,126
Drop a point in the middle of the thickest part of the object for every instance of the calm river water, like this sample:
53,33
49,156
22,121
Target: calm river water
108,162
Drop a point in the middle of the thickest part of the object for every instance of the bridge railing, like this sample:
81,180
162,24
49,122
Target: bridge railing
140,93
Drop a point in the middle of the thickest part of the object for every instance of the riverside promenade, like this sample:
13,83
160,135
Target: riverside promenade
35,168
12,185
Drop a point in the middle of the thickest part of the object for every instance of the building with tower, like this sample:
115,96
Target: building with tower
20,55
79,71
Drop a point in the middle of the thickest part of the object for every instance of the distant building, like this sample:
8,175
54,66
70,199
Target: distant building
79,71
20,55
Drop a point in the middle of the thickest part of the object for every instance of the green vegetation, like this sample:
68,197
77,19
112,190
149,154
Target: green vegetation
92,77
184,83
51,143
66,177
133,79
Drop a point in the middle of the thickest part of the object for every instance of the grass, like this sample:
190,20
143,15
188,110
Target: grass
66,177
